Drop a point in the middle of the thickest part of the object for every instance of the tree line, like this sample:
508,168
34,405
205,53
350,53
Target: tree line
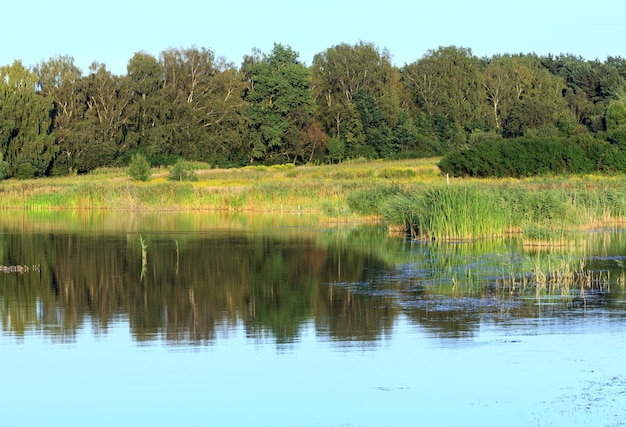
351,102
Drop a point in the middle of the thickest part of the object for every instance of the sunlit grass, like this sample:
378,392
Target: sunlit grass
411,194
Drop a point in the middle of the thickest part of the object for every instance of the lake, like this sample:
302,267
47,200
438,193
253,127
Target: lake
249,320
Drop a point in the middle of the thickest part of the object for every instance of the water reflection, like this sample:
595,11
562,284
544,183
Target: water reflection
187,286
187,279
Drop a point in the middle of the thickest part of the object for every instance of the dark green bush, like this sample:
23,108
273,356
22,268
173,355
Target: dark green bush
25,170
525,156
4,168
618,137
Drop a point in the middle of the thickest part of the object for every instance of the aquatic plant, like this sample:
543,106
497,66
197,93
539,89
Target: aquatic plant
406,194
451,212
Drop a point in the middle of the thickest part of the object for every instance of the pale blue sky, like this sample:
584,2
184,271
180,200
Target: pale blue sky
112,31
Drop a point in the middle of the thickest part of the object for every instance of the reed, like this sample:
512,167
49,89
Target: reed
451,212
407,194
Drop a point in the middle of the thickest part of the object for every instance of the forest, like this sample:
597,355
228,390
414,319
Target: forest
350,102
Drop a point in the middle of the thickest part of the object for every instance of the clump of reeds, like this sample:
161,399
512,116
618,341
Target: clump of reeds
450,212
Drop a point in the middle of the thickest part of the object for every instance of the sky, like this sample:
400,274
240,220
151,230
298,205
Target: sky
111,32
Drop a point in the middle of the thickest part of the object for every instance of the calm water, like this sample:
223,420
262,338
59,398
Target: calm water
179,319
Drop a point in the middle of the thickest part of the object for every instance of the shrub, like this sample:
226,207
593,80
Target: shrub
336,150
139,168
25,170
182,171
524,156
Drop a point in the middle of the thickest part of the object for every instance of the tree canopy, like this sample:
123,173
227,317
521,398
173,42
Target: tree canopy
351,102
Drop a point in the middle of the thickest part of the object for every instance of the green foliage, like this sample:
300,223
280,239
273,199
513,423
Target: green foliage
358,98
376,131
521,157
616,115
25,170
618,137
139,168
281,106
336,150
350,103
25,121
370,201
182,171
4,168
446,86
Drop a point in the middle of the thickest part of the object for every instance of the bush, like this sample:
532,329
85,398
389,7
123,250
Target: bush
139,168
524,156
25,170
618,137
182,171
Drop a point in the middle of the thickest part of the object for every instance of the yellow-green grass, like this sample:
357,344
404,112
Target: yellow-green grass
251,188
410,194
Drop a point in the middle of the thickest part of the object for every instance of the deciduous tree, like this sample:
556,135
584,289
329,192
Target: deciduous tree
25,121
281,105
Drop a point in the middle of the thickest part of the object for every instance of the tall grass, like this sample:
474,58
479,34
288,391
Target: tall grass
449,212
548,210
409,193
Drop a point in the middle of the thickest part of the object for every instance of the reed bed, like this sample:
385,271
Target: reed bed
549,210
409,194
449,212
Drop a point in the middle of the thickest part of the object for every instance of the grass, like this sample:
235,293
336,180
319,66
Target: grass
408,194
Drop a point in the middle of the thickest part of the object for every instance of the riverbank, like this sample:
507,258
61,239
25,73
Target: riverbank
408,195
264,189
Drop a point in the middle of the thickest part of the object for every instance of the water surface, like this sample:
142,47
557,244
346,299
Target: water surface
236,320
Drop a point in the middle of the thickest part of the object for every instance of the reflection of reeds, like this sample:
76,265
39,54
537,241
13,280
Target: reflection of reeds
177,257
555,276
144,256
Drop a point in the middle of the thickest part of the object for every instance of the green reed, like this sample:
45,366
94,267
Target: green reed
411,194
452,212
541,212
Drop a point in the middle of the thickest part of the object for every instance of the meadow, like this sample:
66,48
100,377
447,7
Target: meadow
407,195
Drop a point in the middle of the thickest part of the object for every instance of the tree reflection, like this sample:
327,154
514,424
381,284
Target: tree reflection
192,287
188,287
